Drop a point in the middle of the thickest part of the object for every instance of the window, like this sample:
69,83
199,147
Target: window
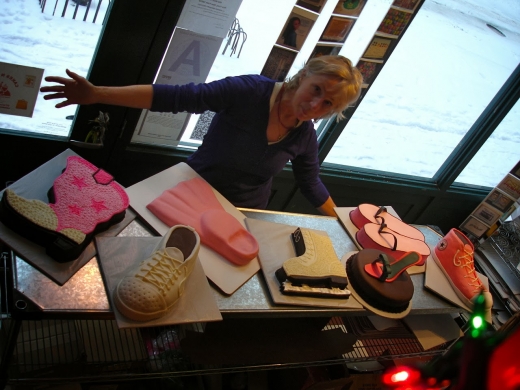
51,36
497,156
445,70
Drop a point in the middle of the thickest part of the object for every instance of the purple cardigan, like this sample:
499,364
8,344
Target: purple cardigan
235,157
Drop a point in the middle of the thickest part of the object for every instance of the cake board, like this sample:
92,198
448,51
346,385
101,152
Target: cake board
275,248
344,216
35,185
119,255
436,281
368,306
227,276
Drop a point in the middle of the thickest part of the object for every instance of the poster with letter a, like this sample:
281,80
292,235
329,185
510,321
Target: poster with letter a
188,60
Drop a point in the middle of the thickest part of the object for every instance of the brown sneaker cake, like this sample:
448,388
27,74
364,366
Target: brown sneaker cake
315,271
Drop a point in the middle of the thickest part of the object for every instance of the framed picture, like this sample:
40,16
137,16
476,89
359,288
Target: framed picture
337,29
511,186
349,7
278,64
487,214
295,31
499,200
410,5
377,48
324,51
394,22
516,170
312,5
474,227
369,69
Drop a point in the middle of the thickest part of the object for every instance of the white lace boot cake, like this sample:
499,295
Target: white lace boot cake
152,288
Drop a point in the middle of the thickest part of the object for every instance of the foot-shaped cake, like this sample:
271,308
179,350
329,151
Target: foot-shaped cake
193,202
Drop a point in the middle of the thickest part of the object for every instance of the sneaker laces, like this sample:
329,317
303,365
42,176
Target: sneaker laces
465,260
161,271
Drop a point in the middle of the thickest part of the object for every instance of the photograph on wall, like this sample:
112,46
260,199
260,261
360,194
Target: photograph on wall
312,5
487,214
278,64
499,200
394,22
474,227
511,186
410,5
378,48
325,51
369,70
349,7
295,31
516,170
337,29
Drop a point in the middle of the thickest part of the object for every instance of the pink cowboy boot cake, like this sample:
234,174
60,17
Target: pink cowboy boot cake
83,201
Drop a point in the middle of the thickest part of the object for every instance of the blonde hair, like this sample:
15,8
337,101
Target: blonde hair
336,66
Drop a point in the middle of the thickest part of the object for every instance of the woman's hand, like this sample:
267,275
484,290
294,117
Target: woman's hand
76,90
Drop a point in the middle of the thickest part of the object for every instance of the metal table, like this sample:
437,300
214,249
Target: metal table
83,297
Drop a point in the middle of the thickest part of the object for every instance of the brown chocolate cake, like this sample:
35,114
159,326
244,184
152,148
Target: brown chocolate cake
391,297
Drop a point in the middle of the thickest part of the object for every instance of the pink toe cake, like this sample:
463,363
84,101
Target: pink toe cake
83,201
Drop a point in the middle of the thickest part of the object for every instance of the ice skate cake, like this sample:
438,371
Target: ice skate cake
315,271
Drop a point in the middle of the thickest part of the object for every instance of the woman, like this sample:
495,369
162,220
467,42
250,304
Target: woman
289,35
259,125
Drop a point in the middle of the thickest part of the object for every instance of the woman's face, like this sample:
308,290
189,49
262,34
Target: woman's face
315,97
296,24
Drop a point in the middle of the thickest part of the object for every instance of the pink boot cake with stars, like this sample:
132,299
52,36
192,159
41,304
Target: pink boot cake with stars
83,201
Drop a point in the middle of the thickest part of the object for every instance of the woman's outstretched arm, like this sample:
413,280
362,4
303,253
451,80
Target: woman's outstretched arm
78,90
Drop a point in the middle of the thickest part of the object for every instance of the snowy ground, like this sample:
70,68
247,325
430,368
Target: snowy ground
466,63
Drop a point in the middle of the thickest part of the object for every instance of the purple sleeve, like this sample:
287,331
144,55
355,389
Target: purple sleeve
196,98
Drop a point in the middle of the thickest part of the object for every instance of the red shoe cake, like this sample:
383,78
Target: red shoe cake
454,255
83,201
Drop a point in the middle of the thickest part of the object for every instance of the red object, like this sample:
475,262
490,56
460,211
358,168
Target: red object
504,365
401,377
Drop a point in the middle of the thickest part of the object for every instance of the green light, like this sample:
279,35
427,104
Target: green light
477,322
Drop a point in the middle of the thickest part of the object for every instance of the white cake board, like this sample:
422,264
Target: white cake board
119,255
276,247
436,281
35,185
343,215
226,276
